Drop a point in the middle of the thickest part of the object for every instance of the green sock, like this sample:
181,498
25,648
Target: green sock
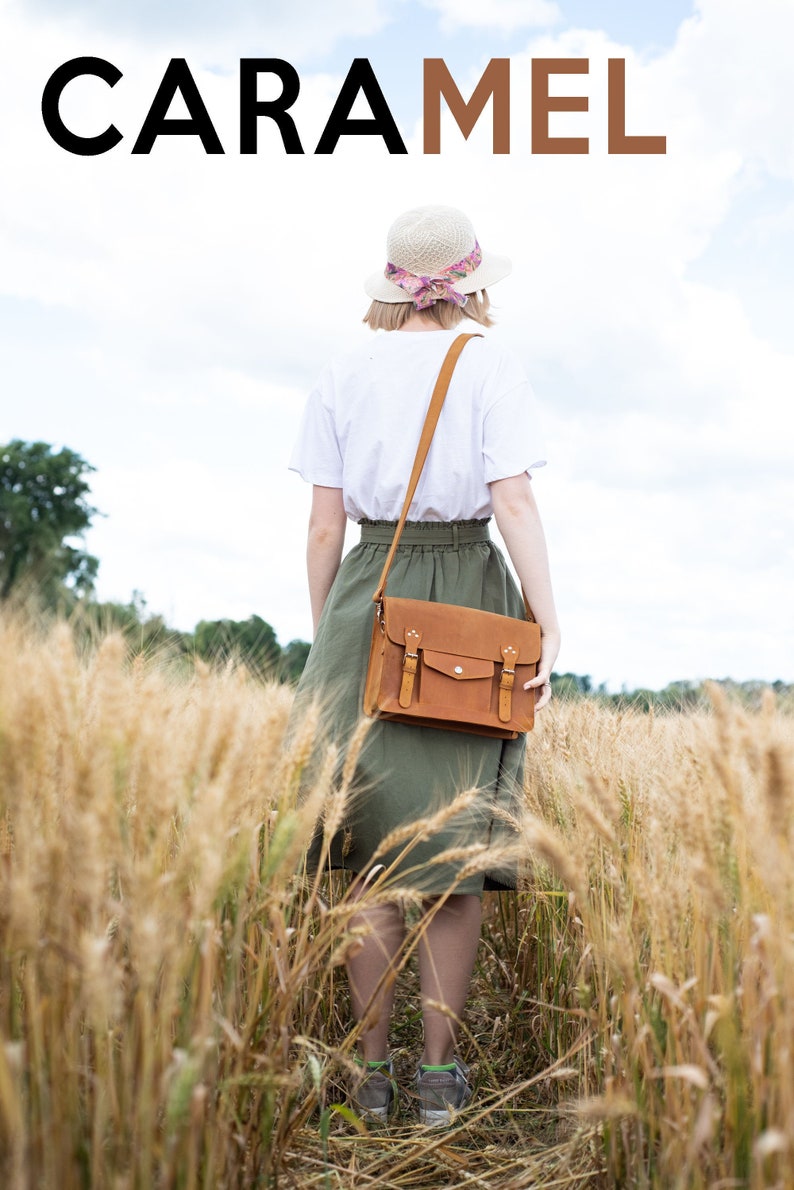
446,1069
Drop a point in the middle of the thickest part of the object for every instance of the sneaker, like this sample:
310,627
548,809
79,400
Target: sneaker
442,1093
375,1093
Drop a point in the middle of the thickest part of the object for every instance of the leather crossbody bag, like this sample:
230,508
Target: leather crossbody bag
439,664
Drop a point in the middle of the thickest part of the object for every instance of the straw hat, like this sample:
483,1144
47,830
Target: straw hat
424,242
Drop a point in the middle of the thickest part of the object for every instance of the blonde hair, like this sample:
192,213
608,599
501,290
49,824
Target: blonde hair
390,316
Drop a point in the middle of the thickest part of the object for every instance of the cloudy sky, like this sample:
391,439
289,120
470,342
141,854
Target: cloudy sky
166,314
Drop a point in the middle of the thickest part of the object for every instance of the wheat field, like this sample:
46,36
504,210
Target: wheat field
173,1005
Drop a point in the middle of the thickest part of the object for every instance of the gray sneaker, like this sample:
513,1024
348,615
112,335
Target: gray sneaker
375,1093
442,1093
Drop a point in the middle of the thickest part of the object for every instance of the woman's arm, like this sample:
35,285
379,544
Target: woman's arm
519,523
327,523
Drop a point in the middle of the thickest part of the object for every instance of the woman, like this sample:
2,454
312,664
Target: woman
357,446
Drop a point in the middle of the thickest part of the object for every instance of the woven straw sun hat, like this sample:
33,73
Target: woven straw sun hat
428,239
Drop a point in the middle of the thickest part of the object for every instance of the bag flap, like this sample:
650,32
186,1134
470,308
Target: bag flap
460,631
457,667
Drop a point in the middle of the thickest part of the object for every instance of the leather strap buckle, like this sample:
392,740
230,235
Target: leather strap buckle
506,681
410,665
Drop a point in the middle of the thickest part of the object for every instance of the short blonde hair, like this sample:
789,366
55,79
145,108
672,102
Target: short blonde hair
390,316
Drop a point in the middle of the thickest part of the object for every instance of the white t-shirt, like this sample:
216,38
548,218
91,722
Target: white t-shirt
363,419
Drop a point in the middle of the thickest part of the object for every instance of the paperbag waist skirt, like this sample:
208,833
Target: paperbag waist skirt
406,773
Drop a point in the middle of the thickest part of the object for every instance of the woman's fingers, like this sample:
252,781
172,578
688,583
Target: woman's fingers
541,678
541,684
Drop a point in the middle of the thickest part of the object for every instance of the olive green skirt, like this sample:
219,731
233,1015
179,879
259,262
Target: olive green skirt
406,774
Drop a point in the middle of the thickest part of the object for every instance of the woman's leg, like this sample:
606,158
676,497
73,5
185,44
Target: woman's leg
447,950
372,964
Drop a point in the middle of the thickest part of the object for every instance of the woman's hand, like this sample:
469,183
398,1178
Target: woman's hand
519,523
549,648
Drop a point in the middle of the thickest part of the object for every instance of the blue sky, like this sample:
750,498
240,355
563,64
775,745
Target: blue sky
166,315
415,32
644,26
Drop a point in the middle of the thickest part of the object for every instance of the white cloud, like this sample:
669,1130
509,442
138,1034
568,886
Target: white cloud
298,30
668,583
503,15
730,64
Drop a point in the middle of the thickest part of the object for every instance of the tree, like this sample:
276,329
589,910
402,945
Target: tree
570,685
293,659
253,641
43,515
144,633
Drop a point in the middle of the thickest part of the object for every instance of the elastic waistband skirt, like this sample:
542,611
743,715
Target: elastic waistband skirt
429,533
398,773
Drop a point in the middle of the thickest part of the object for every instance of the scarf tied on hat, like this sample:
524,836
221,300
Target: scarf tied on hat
426,291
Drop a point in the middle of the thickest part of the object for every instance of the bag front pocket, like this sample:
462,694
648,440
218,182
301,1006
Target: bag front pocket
454,680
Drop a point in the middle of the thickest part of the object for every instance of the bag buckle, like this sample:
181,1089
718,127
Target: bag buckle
410,664
509,658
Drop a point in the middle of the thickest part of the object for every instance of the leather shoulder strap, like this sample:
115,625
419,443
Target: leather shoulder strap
426,437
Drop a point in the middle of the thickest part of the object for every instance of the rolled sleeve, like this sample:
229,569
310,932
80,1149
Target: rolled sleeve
316,455
512,437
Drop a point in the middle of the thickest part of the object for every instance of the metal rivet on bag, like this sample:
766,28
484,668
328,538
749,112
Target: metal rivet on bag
458,669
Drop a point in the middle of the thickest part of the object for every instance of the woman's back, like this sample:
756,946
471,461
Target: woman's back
365,415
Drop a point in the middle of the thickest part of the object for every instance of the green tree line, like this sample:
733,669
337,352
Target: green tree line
682,695
252,642
44,515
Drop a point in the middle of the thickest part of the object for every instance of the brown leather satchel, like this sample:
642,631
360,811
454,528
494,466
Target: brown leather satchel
441,665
